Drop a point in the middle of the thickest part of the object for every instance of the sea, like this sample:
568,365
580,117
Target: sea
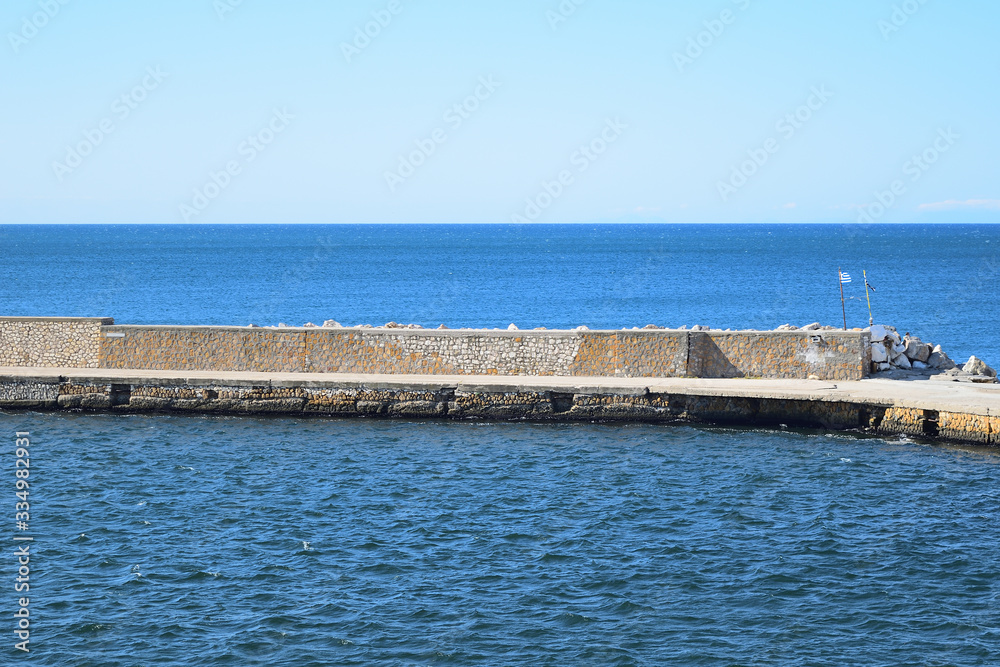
213,540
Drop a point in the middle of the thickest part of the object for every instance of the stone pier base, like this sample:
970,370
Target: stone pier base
965,413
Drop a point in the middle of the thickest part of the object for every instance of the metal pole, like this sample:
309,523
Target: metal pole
840,279
871,321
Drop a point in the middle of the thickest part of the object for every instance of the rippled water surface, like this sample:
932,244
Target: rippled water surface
236,541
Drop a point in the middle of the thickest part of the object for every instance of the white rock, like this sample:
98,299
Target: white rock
332,324
815,326
916,349
512,327
976,366
879,353
308,325
902,362
879,332
885,367
919,365
582,328
940,360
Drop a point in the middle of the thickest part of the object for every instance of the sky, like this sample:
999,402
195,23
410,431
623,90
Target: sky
398,111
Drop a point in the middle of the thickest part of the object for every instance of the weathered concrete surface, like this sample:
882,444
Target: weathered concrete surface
931,408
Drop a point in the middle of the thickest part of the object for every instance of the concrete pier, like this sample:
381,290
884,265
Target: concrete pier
931,408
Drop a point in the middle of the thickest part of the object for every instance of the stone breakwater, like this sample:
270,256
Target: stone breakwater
394,349
966,413
892,352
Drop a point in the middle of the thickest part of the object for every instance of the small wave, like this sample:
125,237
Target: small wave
569,618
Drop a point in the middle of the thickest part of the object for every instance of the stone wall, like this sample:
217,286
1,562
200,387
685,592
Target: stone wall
98,343
51,342
650,353
830,355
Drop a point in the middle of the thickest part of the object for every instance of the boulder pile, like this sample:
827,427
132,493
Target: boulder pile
892,352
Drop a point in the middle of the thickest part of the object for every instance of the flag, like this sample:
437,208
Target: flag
845,277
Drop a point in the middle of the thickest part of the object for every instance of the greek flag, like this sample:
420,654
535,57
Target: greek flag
845,277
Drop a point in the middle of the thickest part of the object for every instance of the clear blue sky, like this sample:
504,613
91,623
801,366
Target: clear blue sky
676,118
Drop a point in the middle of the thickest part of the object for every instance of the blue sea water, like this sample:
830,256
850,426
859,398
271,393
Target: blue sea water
239,541
941,282
166,540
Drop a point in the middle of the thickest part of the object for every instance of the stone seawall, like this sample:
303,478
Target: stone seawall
99,343
50,342
662,353
964,413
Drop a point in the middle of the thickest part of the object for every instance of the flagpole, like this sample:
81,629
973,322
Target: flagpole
871,320
840,279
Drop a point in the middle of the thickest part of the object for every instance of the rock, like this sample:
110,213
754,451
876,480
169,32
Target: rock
393,325
879,353
940,360
332,324
813,377
282,325
976,366
699,327
442,327
651,326
815,326
878,332
885,366
902,362
308,325
683,328
787,327
920,366
915,349
583,328
413,326
254,326
512,327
